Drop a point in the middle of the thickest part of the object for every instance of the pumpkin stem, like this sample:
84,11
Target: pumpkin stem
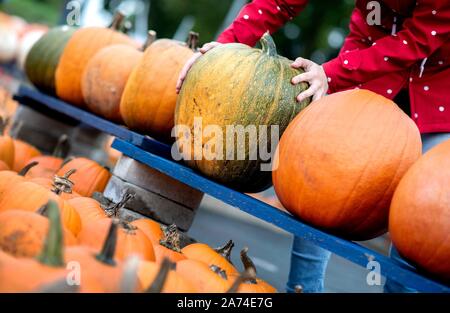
52,253
113,211
248,264
171,239
63,183
151,38
160,279
3,123
65,161
106,256
192,41
43,211
117,21
268,45
246,275
219,271
62,147
27,168
225,250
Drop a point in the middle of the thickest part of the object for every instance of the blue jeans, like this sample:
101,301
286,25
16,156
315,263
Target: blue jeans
428,142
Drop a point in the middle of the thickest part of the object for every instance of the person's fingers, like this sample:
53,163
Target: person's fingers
304,77
301,63
309,92
186,69
318,95
208,46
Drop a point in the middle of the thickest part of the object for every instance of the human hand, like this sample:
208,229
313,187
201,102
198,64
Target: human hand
314,75
206,47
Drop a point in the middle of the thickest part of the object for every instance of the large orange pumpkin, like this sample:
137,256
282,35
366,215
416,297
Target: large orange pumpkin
149,99
23,153
80,48
340,160
89,176
419,219
105,77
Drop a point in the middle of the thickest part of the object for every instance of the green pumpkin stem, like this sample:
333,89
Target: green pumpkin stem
151,38
192,41
160,279
225,250
106,256
52,253
268,45
62,147
27,168
63,183
248,265
117,21
171,239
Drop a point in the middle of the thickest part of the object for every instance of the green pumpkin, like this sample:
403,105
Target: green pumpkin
234,84
43,58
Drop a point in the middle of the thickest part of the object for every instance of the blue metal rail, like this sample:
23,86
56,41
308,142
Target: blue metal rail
157,156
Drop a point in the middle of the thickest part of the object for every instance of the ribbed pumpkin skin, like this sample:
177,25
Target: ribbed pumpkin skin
340,160
81,47
419,219
105,77
149,98
236,85
43,58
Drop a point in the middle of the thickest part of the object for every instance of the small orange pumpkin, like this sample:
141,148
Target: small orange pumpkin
149,99
89,177
80,49
89,209
23,153
220,257
9,178
150,228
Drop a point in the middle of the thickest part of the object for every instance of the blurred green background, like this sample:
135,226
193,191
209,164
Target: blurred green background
317,33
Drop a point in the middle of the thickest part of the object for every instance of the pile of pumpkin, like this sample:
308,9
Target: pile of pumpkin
106,72
39,243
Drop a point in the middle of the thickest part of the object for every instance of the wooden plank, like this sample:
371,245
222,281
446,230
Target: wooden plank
354,252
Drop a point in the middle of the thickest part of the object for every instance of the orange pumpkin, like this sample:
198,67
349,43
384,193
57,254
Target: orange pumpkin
339,161
89,176
173,283
419,219
3,166
6,146
150,228
219,257
169,246
29,196
80,49
9,178
149,99
89,209
130,240
105,77
22,233
23,153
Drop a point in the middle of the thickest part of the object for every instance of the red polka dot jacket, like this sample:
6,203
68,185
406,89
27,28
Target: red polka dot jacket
405,46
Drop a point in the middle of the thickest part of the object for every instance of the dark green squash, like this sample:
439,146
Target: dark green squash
234,84
43,58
